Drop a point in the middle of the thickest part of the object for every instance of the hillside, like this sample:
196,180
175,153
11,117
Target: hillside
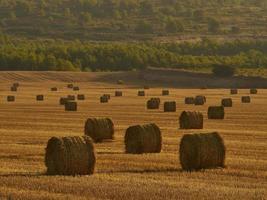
113,20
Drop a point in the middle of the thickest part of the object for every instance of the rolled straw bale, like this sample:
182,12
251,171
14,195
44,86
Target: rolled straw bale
216,112
233,91
202,151
152,104
245,99
155,99
71,97
76,88
118,93
227,102
13,89
200,100
253,91
165,92
189,100
15,84
70,86
70,106
99,129
104,99
10,98
63,100
70,156
191,120
81,97
170,106
39,97
107,95
143,139
53,89
141,93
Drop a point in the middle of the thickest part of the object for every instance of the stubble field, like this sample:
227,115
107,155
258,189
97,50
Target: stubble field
26,125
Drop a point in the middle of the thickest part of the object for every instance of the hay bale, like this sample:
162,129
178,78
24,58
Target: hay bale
253,91
99,129
200,100
245,99
70,106
70,86
216,112
155,99
71,97
233,91
76,88
53,89
170,106
143,139
39,97
81,97
189,100
165,92
107,96
104,99
118,93
63,100
202,151
227,102
15,84
10,98
141,93
70,156
152,104
13,89
120,82
191,120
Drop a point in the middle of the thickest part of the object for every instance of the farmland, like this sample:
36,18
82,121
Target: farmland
26,125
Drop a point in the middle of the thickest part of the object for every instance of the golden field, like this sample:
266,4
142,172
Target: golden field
26,125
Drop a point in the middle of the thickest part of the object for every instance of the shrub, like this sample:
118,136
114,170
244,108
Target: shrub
223,70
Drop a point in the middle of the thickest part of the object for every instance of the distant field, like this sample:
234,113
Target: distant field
26,126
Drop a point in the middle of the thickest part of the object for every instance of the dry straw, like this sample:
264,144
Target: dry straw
143,139
191,120
189,100
200,100
81,97
141,93
39,97
227,102
153,104
170,106
233,91
253,91
165,92
202,151
70,156
216,112
70,106
99,129
10,98
245,99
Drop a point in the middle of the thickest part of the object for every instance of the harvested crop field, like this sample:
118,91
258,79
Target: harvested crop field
26,125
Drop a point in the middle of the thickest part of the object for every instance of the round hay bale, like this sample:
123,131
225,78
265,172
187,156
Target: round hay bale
70,86
155,99
143,139
53,89
81,97
245,99
39,97
200,100
70,156
99,129
70,106
216,112
63,100
170,106
141,93
15,84
118,93
10,98
202,151
165,92
104,99
107,96
189,100
227,102
71,97
152,104
233,91
191,120
76,88
13,89
253,91
120,82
